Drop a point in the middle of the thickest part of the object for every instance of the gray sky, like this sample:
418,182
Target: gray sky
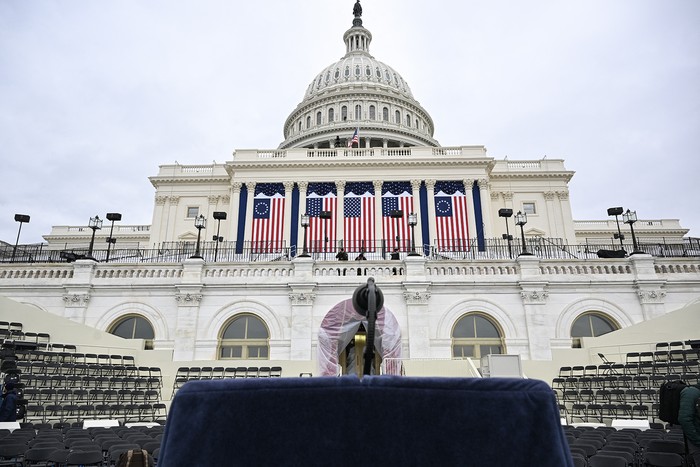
95,95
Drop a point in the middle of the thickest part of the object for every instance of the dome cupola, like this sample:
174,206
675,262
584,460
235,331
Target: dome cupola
358,93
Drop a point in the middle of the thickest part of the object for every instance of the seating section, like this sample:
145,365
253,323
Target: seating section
76,446
195,373
594,446
56,384
624,390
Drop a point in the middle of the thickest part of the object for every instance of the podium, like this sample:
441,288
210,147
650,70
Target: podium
379,420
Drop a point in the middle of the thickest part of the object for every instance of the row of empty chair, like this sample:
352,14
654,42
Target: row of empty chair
100,447
193,373
75,413
608,447
604,392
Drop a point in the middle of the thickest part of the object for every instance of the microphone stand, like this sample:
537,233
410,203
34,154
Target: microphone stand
371,324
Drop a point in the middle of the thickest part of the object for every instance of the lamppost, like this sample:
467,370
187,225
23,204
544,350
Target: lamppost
616,212
630,217
199,222
305,225
219,216
325,215
397,214
412,221
506,213
21,218
95,224
111,216
521,220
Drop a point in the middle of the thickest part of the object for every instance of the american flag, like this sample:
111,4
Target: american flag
355,138
358,223
321,197
268,218
451,216
396,196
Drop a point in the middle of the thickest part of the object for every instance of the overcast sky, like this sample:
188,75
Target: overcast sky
95,95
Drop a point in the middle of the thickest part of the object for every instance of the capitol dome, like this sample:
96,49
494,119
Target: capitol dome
358,93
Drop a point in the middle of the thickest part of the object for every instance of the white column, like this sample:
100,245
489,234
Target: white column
471,221
430,186
302,210
234,211
486,207
418,230
288,187
249,212
377,210
340,190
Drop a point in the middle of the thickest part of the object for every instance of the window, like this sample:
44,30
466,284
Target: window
330,115
192,212
357,70
245,337
385,114
474,336
308,122
397,117
318,118
299,125
408,120
592,324
529,208
358,112
372,113
134,327
343,113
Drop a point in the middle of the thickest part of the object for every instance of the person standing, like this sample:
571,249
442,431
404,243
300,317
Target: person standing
689,420
8,409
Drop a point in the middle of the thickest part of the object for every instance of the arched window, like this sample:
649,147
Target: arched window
408,120
134,327
385,114
397,117
299,125
308,121
245,337
475,335
344,113
318,118
358,112
372,113
331,113
591,324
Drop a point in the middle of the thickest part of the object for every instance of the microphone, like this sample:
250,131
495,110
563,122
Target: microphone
367,301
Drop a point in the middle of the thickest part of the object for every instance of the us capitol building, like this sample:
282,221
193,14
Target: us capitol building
244,260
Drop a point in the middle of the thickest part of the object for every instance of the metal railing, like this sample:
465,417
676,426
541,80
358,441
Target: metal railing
234,252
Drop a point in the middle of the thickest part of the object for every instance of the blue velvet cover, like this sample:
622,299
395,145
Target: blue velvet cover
379,420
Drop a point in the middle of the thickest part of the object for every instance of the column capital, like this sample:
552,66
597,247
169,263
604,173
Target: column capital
236,187
563,195
468,183
483,183
161,200
288,186
302,298
303,185
415,184
340,186
251,186
430,184
378,187
213,199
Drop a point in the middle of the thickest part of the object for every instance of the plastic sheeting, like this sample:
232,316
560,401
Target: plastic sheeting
339,327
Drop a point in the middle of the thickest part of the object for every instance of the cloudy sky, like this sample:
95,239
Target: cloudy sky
95,95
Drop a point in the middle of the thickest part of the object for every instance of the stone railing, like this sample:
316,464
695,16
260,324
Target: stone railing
304,269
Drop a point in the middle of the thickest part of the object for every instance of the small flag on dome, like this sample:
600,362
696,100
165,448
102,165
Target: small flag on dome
355,138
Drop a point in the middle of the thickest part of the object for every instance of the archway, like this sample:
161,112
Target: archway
339,327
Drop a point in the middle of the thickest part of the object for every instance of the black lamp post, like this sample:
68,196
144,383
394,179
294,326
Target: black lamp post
616,212
21,218
325,215
521,220
412,221
506,213
219,216
305,225
630,217
111,216
95,224
397,214
199,222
